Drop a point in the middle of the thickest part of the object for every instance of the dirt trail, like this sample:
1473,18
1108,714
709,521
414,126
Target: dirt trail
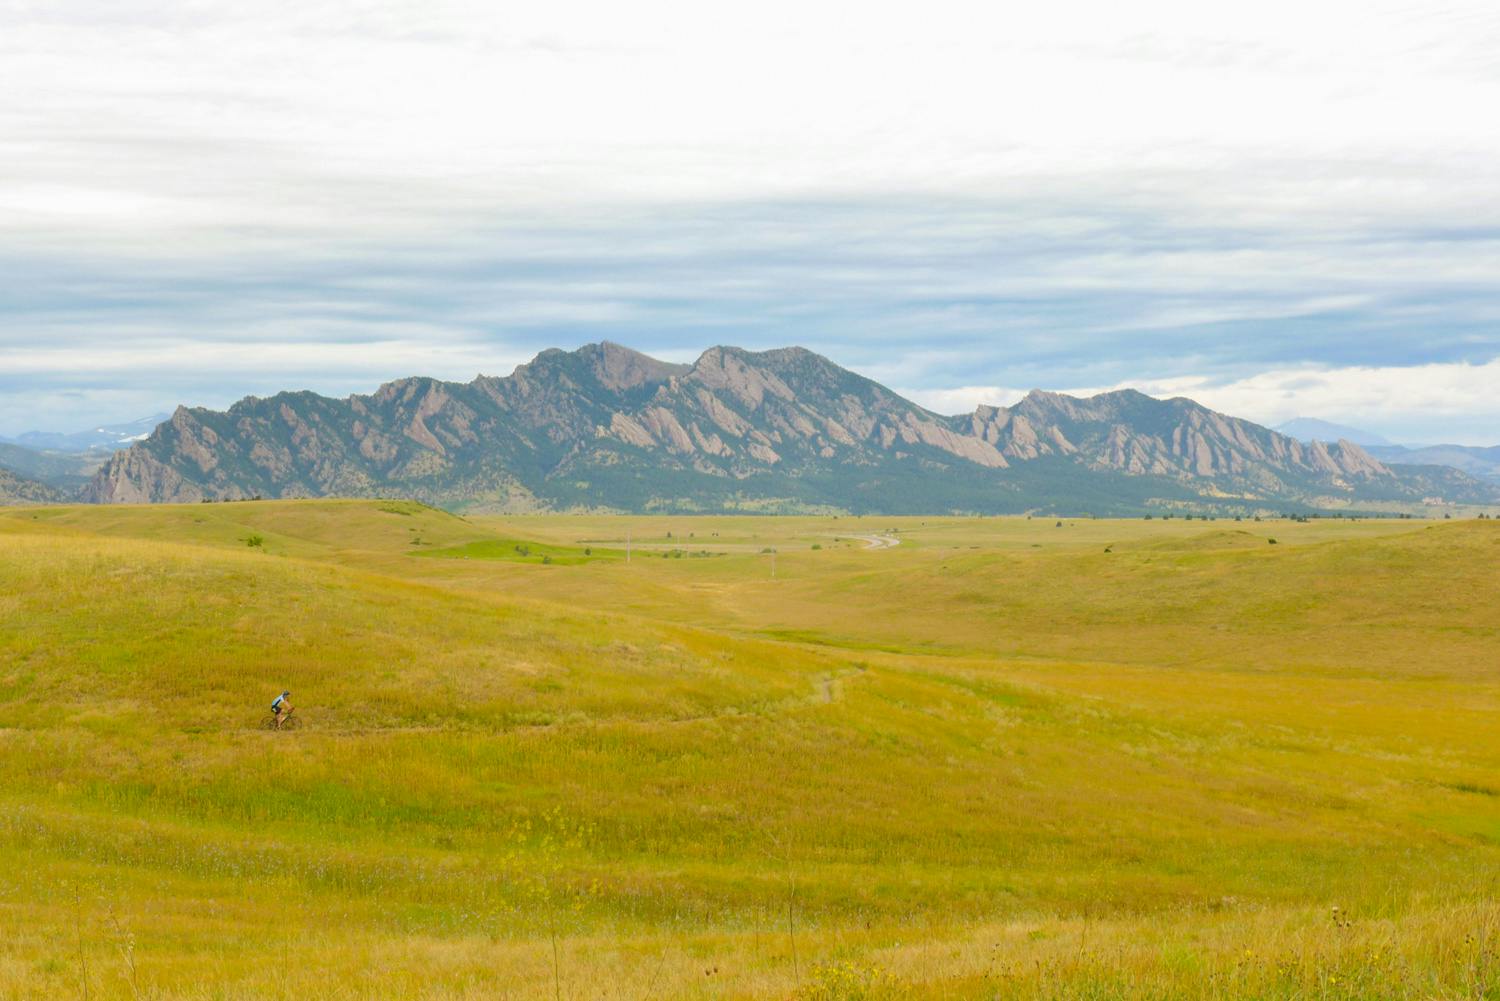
879,541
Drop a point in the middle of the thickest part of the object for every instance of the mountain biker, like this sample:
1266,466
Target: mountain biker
281,708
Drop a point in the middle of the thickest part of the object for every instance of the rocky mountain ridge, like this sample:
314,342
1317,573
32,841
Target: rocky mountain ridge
608,428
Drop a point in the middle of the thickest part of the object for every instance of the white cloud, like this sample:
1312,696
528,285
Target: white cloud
1449,402
263,358
243,189
962,399
298,114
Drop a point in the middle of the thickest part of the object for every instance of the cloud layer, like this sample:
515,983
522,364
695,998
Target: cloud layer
1295,213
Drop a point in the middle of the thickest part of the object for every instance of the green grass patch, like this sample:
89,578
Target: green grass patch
522,551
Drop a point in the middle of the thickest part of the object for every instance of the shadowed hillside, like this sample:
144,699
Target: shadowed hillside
18,489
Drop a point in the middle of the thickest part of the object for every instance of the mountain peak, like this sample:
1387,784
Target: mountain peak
1126,395
1044,396
605,364
620,368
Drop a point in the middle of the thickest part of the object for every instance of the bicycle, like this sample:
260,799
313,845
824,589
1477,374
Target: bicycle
291,722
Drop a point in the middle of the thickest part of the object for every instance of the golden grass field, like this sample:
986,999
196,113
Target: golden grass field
1006,758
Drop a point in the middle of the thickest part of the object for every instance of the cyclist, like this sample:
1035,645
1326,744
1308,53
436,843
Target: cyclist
281,708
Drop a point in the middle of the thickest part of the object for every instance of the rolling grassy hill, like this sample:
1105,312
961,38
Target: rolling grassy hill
1005,758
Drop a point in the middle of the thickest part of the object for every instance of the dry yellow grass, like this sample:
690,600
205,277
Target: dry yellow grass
993,761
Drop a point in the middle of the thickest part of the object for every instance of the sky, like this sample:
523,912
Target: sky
1279,209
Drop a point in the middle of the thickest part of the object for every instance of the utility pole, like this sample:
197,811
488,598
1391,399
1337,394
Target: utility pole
773,564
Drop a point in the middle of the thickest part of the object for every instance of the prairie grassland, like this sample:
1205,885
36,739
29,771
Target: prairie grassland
994,761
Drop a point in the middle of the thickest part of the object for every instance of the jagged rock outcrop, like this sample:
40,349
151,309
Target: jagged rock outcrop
1130,432
607,427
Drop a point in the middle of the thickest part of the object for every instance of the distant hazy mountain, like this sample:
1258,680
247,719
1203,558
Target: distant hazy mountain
1476,461
787,430
1308,429
106,438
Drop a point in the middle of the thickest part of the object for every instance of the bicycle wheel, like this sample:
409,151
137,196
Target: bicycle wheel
268,722
292,722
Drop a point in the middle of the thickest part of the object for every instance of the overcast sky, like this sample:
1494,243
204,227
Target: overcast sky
1279,209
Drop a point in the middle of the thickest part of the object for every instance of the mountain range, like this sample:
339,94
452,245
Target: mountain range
1475,460
608,428
64,471
106,438
49,466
